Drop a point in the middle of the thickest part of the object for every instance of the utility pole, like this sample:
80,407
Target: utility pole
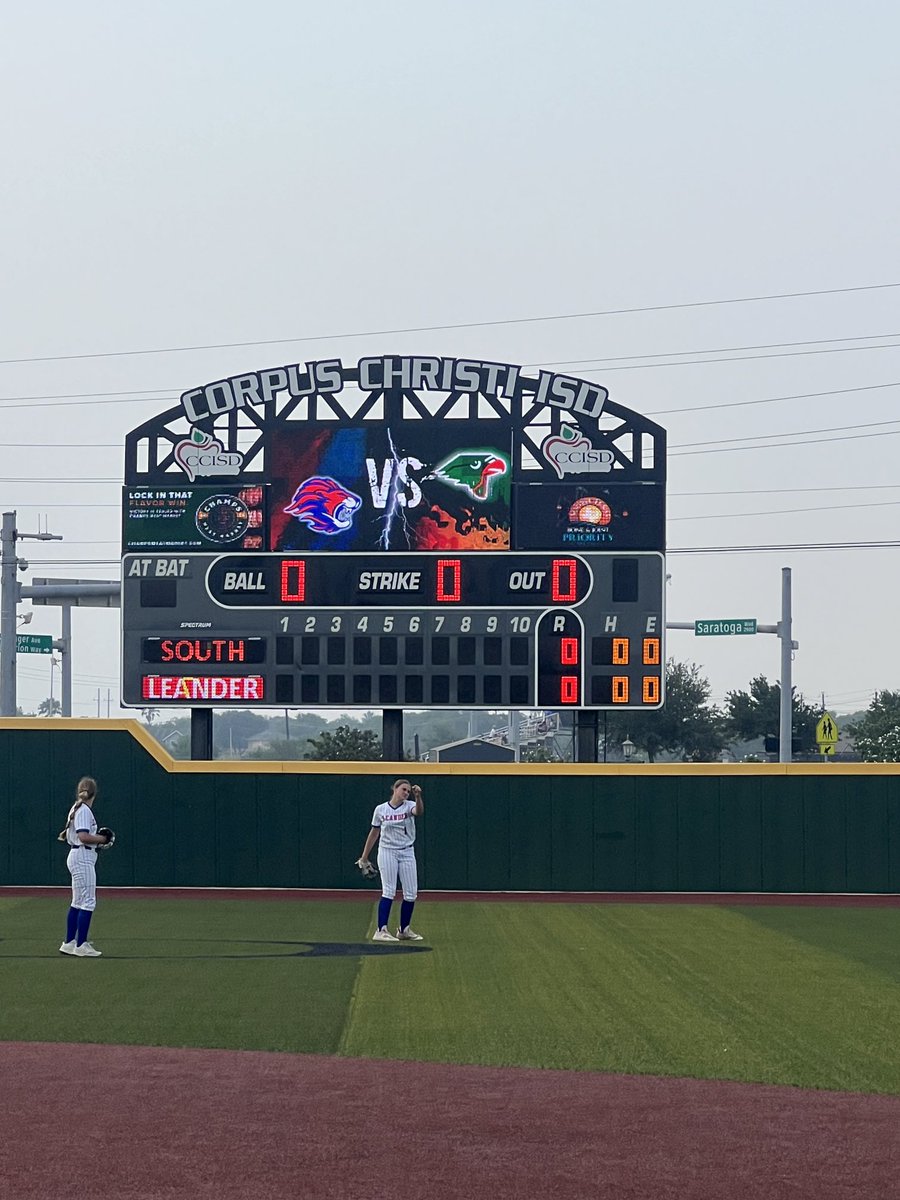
783,630
64,646
786,721
514,734
10,595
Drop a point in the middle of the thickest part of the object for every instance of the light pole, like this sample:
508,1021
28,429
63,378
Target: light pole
10,595
628,749
54,662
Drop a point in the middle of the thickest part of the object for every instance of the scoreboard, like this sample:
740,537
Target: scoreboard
469,630
405,563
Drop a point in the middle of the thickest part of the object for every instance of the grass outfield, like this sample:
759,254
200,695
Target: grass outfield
804,996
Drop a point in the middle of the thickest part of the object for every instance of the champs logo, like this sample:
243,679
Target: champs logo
570,453
324,505
203,454
222,518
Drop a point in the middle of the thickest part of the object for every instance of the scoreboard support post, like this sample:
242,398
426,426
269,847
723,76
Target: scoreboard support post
587,731
392,734
201,734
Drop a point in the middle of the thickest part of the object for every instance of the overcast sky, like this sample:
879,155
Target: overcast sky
184,175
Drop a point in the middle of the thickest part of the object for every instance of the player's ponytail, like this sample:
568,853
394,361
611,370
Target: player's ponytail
89,787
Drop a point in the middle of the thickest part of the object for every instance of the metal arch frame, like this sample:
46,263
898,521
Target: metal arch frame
527,421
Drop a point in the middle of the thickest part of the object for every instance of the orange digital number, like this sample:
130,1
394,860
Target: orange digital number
650,689
620,689
620,652
651,652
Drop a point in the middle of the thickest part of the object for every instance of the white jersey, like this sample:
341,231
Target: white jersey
397,825
83,821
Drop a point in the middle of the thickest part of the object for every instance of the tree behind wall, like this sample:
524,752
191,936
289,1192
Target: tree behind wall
687,726
754,714
877,734
345,745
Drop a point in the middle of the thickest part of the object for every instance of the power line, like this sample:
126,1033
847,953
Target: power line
13,505
325,337
62,445
886,545
150,393
576,362
75,403
799,433
76,399
717,446
68,482
777,446
730,516
862,487
872,387
699,362
773,548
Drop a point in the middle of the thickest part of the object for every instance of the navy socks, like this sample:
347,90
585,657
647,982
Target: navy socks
71,924
83,923
384,912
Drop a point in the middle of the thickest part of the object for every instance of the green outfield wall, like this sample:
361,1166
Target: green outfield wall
510,827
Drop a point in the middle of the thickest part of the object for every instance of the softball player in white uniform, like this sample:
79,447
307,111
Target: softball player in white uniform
394,828
82,838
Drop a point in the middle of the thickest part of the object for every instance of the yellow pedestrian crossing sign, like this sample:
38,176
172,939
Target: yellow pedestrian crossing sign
826,733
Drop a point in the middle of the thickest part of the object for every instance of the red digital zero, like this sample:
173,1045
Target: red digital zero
189,688
449,580
293,581
568,651
565,580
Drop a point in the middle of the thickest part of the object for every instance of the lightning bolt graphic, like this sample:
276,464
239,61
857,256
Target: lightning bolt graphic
394,508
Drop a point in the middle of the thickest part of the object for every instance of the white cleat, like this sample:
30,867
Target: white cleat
408,935
86,950
67,947
383,935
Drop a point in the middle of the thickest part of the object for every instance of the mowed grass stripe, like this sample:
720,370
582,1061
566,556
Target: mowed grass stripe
181,973
855,933
793,996
699,991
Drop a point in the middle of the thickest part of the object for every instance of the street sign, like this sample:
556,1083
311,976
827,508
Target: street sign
826,733
732,626
34,643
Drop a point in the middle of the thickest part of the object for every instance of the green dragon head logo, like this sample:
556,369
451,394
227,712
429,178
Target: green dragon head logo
472,471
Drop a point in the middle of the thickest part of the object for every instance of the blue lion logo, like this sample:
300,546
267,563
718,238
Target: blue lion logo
324,505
